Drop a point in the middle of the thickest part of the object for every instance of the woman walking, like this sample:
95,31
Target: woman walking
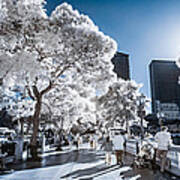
108,146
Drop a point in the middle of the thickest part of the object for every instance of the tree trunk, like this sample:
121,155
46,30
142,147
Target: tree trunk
22,127
35,119
34,144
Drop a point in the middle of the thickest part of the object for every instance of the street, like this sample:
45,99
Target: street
83,164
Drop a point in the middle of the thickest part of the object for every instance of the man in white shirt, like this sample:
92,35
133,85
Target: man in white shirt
163,139
118,143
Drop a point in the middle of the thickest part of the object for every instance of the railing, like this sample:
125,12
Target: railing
173,153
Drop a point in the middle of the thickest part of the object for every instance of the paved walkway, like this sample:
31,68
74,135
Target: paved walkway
80,165
131,148
146,173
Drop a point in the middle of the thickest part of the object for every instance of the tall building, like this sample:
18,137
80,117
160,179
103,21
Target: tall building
165,89
121,65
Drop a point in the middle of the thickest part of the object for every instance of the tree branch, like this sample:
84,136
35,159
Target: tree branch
29,93
35,91
64,69
48,88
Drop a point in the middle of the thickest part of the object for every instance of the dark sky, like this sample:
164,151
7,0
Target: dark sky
145,29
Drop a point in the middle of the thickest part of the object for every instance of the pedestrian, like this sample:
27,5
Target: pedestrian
59,140
80,141
118,142
70,140
95,141
163,139
76,141
108,146
91,141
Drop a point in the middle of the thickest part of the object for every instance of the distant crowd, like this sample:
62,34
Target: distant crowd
116,143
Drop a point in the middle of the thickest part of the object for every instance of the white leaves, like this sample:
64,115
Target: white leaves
15,101
65,15
22,10
119,103
66,48
67,37
82,37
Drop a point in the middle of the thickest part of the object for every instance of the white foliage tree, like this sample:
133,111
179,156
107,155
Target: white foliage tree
45,52
76,109
119,104
14,99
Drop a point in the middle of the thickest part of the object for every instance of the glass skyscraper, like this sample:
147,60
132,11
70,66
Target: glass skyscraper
121,65
165,88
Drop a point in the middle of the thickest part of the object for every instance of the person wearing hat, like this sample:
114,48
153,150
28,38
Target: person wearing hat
163,139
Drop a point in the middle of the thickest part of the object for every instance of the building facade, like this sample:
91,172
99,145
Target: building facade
121,65
165,88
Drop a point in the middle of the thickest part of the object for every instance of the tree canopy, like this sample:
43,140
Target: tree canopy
40,53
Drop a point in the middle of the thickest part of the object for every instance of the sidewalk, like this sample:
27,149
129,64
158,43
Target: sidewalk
148,174
82,164
131,146
70,164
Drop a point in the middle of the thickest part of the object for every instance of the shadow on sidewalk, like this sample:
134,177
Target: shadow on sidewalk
92,172
78,156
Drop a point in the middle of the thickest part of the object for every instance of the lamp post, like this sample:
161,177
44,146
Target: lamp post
141,110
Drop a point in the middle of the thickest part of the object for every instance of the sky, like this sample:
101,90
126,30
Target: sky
144,29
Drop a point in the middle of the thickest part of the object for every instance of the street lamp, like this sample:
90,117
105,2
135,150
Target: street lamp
142,100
